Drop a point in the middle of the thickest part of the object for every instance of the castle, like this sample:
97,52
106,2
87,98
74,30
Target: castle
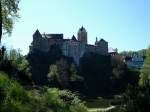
74,47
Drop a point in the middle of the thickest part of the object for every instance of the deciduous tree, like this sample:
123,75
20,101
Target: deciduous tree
8,13
145,71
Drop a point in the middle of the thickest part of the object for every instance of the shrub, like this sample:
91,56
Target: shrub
14,98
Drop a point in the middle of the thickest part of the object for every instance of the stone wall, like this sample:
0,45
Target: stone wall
70,48
39,42
73,49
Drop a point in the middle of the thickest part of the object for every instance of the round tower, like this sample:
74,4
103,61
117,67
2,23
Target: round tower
82,35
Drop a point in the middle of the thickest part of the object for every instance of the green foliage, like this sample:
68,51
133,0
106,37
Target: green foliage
57,71
53,72
74,74
40,62
64,101
98,103
145,71
136,99
12,54
63,73
96,70
9,14
38,101
121,75
118,67
18,61
17,66
141,52
14,98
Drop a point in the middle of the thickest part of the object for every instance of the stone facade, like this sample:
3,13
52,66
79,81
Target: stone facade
82,35
74,48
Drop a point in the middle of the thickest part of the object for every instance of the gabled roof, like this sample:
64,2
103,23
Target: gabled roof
102,40
74,38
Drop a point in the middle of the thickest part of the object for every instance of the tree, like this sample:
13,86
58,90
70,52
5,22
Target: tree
9,12
96,70
121,75
63,74
136,99
141,52
145,71
52,75
15,98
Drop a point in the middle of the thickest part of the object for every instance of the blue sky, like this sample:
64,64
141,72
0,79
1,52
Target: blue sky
125,24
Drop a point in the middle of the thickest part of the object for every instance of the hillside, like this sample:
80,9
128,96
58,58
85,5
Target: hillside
15,98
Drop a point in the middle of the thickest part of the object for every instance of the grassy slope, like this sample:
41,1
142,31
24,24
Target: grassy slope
14,98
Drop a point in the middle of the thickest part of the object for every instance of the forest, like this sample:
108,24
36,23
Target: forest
107,82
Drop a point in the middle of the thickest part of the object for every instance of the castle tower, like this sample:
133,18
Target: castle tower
82,35
39,42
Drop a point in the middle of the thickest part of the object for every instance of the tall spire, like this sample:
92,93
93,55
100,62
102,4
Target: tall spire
96,39
36,33
82,28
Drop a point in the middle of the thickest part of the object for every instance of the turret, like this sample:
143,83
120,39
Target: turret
36,38
39,42
82,35
37,34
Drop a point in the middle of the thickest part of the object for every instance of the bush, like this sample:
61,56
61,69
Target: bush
65,100
14,98
17,66
136,99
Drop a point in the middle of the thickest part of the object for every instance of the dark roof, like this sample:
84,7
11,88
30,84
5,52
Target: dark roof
36,33
74,38
82,29
66,39
102,40
89,45
54,36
